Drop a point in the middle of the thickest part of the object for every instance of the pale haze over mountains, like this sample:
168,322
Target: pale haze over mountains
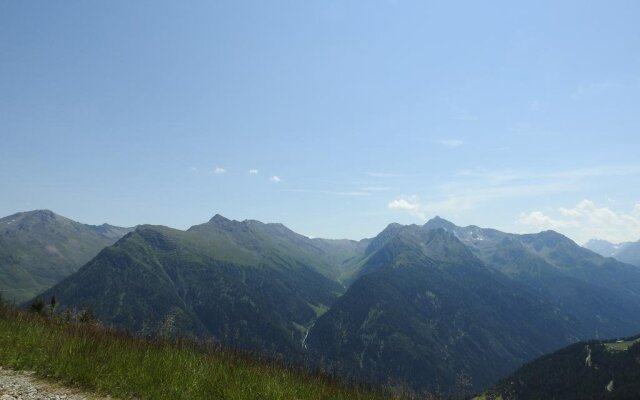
628,252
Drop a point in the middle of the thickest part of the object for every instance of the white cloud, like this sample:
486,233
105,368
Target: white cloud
456,199
452,143
475,188
409,204
541,221
219,171
275,179
193,169
470,190
253,171
569,212
587,221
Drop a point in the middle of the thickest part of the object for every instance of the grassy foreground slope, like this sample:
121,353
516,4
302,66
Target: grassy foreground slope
124,366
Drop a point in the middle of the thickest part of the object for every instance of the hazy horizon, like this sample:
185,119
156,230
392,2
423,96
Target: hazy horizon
333,118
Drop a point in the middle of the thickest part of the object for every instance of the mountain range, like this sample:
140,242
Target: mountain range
627,252
39,248
425,306
248,284
448,301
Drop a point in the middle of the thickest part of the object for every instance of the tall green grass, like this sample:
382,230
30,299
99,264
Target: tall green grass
109,362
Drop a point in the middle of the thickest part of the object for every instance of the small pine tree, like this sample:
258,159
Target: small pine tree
37,305
52,305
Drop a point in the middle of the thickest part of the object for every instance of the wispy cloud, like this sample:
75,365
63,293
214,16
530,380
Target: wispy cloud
586,221
383,174
451,143
468,190
598,171
193,169
375,189
253,171
331,192
454,199
275,179
507,175
219,171
462,114
594,88
604,86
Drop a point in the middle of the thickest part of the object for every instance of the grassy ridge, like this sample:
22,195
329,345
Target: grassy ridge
106,361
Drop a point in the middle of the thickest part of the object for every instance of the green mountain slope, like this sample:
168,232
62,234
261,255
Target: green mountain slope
601,295
39,248
251,242
587,370
253,285
426,311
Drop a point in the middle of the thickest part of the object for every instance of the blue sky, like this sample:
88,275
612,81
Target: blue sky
333,117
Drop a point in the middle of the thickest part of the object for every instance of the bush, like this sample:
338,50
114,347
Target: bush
37,306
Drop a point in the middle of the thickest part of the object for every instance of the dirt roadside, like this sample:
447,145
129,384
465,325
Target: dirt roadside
21,385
